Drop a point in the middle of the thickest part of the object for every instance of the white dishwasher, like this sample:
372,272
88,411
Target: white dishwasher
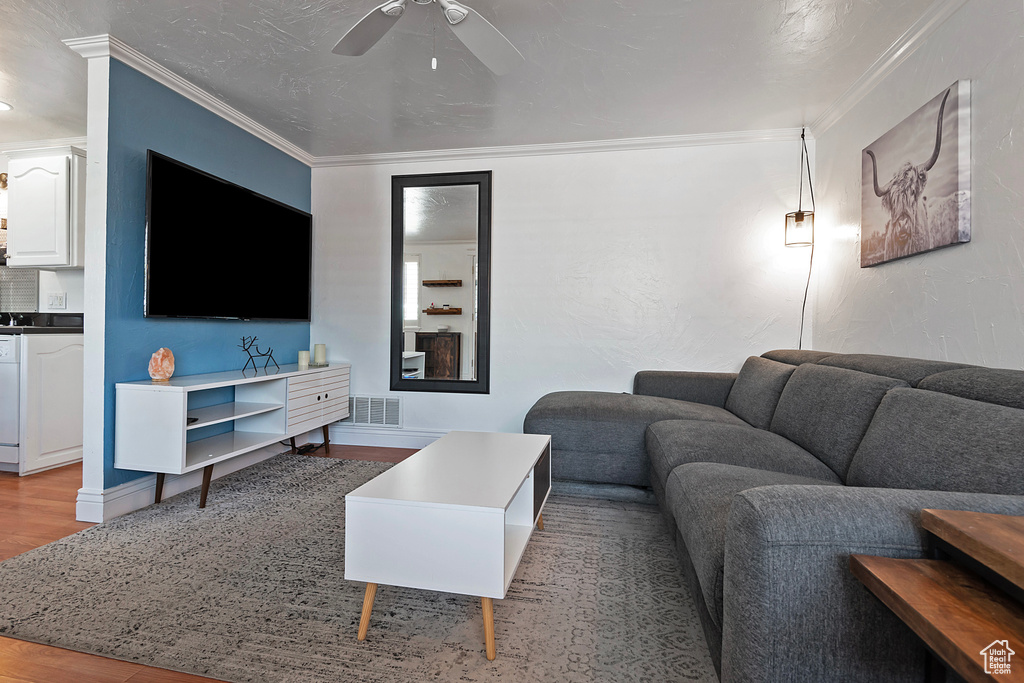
10,396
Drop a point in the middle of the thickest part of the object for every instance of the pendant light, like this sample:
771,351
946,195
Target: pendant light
800,227
800,223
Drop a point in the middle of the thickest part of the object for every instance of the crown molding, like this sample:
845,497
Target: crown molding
6,147
108,46
898,52
618,145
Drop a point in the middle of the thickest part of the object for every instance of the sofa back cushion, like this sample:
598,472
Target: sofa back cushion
910,370
926,440
757,389
991,385
827,411
796,356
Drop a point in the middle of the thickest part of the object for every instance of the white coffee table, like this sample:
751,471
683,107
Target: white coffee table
454,517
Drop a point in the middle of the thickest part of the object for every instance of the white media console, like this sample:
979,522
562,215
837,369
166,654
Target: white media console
157,424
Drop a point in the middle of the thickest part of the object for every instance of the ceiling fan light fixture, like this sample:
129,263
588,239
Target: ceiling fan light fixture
453,11
482,39
394,9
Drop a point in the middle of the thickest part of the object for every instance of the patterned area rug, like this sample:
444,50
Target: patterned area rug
252,589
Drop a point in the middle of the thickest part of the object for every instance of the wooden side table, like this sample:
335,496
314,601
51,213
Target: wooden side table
975,628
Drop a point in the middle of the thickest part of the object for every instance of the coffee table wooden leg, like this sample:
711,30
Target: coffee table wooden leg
364,620
488,608
540,522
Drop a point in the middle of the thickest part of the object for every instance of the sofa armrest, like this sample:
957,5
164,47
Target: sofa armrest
794,611
711,388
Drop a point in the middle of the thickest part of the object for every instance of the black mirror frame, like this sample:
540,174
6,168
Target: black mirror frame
482,383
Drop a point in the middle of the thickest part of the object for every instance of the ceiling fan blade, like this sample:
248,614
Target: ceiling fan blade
484,41
370,29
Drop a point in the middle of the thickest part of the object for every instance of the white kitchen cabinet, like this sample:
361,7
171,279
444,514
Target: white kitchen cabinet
48,402
46,208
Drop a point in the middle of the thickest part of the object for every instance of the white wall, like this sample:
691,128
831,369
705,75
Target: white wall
69,282
603,264
962,303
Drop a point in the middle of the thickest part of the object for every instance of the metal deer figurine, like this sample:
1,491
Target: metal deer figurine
249,343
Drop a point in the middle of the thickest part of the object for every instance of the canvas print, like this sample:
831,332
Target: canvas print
916,181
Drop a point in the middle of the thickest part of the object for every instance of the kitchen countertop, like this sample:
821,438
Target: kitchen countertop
29,329
41,323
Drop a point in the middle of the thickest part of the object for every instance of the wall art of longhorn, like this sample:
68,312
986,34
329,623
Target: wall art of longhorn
916,181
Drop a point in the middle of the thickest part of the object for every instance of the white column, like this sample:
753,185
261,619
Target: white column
90,497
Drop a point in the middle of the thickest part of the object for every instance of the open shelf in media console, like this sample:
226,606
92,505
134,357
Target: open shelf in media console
213,449
225,412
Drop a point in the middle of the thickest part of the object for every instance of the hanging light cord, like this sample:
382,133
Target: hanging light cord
805,158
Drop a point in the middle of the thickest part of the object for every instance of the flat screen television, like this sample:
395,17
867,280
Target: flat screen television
215,249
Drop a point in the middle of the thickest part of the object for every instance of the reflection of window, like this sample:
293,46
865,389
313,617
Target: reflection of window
411,290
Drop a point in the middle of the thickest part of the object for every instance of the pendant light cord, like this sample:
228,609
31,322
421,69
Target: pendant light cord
805,158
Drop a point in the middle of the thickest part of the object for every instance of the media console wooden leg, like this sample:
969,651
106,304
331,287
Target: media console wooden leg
540,522
207,475
488,607
292,440
159,487
327,440
364,619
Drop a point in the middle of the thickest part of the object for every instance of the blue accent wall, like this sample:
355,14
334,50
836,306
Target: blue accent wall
147,115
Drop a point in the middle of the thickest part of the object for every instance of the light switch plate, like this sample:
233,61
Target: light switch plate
58,300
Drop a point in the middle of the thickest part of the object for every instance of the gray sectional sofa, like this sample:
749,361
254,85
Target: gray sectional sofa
771,477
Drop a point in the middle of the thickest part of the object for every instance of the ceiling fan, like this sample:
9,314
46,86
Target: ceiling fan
475,32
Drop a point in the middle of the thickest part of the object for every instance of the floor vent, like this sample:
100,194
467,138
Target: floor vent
374,411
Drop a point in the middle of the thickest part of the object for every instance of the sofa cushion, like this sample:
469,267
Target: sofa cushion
910,370
757,389
599,437
711,388
926,440
992,385
676,442
796,356
827,410
699,496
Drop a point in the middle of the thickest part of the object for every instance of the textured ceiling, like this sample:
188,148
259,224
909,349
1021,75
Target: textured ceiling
440,214
595,69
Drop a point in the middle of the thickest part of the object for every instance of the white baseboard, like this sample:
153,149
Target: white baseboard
349,435
95,505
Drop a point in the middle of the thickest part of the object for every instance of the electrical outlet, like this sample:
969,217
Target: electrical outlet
58,300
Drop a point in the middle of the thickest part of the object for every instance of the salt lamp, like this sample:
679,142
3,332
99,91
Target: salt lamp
161,365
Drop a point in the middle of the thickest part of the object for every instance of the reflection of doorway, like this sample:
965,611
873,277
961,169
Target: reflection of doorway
476,289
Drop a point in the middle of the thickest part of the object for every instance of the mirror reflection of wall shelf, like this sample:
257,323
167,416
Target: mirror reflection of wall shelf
440,232
442,283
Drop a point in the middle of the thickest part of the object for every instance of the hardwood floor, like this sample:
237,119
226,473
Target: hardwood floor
39,509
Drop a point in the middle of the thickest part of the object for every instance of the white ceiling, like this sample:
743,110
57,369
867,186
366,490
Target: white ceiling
595,69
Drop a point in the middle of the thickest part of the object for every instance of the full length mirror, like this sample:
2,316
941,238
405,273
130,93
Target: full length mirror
440,282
